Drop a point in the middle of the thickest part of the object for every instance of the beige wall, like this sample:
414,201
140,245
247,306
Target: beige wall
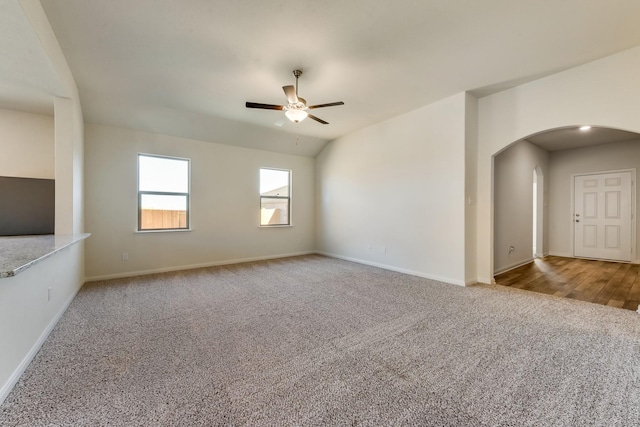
26,145
225,205
601,93
513,203
471,188
393,194
564,164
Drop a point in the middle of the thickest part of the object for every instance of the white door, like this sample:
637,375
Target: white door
602,216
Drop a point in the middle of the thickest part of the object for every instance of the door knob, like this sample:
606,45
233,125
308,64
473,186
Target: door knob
577,220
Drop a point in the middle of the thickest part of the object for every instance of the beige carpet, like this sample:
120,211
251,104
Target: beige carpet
318,341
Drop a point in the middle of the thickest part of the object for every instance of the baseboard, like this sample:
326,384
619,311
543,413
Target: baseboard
396,269
570,255
13,379
513,266
561,254
192,266
486,280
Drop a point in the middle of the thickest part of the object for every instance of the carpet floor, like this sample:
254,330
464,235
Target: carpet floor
318,341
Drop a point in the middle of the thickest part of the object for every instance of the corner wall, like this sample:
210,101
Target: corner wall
471,188
393,194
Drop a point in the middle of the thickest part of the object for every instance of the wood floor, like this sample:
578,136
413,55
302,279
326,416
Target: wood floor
601,282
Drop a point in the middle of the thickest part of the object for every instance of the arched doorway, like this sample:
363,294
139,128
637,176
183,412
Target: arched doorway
551,159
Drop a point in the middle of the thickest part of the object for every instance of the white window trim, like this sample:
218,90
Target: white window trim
290,198
188,195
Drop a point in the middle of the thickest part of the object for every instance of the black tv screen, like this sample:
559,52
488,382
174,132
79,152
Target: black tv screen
27,206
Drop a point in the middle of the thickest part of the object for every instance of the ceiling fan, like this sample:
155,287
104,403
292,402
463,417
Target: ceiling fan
296,108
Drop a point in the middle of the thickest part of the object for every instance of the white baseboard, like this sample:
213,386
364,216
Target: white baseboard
513,266
399,270
469,282
15,376
562,254
570,255
192,266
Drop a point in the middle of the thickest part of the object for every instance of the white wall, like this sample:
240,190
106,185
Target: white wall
513,203
225,205
393,194
565,163
27,316
471,163
69,143
601,93
26,145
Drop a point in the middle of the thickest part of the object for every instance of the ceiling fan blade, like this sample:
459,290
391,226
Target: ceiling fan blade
331,104
311,116
263,106
290,91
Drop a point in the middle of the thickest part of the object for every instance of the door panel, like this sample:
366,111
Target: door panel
602,217
612,237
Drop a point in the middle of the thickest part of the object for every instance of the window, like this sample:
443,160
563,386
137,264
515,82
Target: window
275,197
163,193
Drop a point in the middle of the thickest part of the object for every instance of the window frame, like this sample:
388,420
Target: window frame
288,198
187,226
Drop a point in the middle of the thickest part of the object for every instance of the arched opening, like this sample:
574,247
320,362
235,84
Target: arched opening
535,226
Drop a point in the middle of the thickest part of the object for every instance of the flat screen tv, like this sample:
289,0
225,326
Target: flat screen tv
27,206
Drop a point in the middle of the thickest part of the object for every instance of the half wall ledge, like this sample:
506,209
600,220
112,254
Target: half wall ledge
17,253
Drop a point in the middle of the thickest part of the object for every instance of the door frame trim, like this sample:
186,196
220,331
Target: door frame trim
634,254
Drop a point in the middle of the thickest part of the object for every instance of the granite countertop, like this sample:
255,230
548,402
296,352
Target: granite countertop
17,253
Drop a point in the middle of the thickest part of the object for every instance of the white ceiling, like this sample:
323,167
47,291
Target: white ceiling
28,81
187,67
573,137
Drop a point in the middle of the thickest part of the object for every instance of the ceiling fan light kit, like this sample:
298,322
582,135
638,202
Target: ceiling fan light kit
296,108
295,115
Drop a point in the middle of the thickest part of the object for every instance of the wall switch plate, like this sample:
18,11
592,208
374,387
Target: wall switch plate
125,256
49,294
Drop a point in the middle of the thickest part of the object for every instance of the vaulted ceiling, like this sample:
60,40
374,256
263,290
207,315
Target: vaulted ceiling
187,67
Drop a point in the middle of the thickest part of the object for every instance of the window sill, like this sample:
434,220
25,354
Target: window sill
275,226
172,230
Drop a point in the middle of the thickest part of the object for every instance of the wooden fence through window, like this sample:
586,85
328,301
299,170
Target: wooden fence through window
154,219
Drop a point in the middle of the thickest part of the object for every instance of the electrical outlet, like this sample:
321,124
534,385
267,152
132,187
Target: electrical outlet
125,256
511,249
369,247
